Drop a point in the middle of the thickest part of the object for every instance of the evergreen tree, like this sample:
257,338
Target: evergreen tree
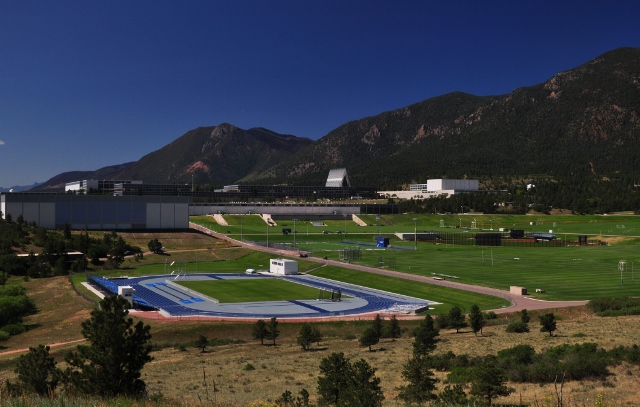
317,335
453,396
548,323
364,389
488,381
341,383
37,372
524,316
118,350
377,326
259,330
394,327
442,321
476,319
334,379
456,319
369,338
202,343
272,330
305,337
420,381
425,337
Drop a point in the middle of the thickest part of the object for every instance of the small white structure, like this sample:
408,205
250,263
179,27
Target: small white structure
517,290
127,293
283,266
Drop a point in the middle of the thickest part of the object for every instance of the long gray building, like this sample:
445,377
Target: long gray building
98,212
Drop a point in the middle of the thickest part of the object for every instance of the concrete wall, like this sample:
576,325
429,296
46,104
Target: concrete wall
99,212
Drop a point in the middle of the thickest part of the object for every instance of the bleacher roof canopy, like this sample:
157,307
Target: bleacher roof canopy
338,178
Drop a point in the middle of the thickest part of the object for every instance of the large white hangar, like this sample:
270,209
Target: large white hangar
98,212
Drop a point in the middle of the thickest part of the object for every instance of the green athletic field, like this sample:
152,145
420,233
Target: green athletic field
566,273
263,289
389,224
447,296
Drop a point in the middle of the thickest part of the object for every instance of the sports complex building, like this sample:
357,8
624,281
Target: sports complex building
118,205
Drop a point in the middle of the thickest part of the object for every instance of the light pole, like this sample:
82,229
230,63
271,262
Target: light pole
491,220
307,228
267,234
460,226
345,226
415,234
378,223
294,232
242,227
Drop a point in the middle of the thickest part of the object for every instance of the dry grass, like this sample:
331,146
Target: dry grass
170,240
180,373
60,312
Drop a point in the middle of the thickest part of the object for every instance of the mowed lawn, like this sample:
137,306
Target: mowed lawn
447,296
250,290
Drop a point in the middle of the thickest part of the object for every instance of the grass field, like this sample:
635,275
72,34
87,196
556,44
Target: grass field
447,296
566,273
389,224
263,289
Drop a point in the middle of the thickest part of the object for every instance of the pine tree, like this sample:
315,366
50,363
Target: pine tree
476,320
456,319
259,330
489,381
394,327
305,337
118,350
548,323
377,326
272,330
421,384
37,372
202,343
425,337
369,338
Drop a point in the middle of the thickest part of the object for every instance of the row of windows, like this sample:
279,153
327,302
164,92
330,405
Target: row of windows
101,213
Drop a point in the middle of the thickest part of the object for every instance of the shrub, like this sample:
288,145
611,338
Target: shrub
248,367
14,329
490,315
517,327
4,335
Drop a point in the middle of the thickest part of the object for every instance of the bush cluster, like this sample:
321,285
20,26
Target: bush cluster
523,364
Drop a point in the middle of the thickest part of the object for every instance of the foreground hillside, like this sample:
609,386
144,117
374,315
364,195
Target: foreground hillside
182,372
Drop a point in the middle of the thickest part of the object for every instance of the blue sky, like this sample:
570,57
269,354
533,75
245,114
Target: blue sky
85,84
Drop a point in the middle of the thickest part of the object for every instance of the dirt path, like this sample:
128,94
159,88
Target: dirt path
518,302
53,345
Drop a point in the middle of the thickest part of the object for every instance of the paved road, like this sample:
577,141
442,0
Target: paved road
518,302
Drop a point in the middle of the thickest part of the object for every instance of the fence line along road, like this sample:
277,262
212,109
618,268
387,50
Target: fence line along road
518,302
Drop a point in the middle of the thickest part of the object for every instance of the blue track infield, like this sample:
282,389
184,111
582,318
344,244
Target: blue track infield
175,300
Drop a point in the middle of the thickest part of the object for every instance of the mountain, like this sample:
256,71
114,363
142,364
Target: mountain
585,121
214,155
19,188
219,155
57,183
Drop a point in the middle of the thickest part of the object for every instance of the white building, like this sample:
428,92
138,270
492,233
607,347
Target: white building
435,187
283,266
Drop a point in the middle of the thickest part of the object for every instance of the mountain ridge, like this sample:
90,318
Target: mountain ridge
580,122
